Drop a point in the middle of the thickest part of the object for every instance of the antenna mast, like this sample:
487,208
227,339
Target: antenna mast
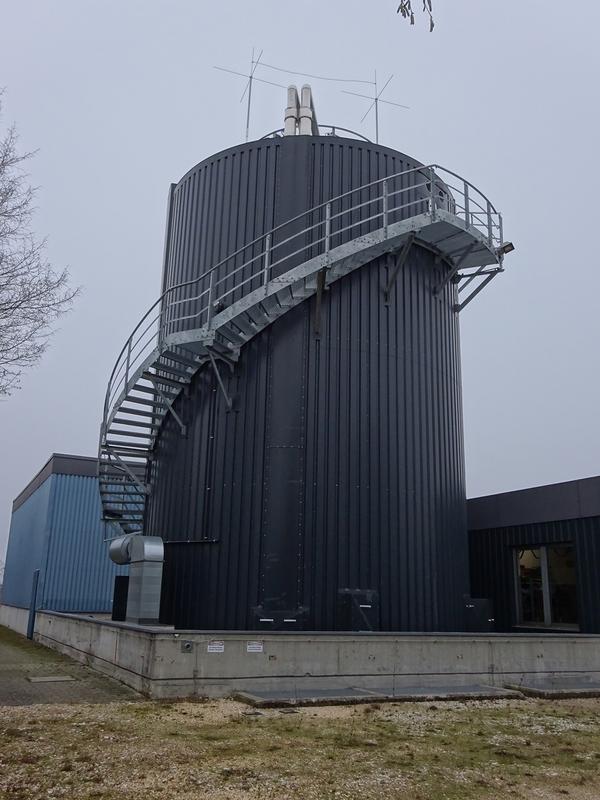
376,100
253,66
250,79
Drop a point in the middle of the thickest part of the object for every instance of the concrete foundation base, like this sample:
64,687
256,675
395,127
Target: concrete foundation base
164,664
14,618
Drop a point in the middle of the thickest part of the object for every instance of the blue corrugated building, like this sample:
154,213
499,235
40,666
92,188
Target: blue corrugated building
56,527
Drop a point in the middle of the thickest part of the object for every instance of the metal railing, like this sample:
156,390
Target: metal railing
324,130
373,206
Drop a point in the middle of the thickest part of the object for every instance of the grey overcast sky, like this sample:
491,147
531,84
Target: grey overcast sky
121,98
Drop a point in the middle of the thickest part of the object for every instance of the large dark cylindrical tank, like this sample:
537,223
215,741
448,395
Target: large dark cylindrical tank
340,466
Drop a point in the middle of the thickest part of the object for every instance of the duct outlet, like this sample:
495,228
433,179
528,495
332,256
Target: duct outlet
300,114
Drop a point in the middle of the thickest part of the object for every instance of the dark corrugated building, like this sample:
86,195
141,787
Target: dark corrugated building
535,553
56,528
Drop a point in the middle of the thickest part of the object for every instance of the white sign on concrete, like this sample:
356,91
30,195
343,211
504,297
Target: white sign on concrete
216,646
255,647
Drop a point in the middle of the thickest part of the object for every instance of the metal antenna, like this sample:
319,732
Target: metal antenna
376,100
250,78
253,66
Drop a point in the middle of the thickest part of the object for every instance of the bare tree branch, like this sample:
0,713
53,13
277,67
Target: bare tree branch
32,294
405,8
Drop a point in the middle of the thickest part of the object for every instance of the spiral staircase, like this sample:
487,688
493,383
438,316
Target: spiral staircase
208,320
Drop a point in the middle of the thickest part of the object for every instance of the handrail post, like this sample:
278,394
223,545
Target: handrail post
431,193
467,209
162,321
328,227
489,224
385,209
500,229
127,362
105,414
267,262
211,299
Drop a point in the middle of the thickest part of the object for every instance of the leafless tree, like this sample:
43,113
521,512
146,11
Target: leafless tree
32,294
405,8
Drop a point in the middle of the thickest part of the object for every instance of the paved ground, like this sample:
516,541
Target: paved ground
25,668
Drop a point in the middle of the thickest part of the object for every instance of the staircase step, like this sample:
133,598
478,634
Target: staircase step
292,295
110,485
122,509
226,348
118,490
245,324
127,450
135,434
188,361
143,401
139,412
115,443
270,305
151,390
161,380
110,469
235,336
172,370
122,463
123,506
151,426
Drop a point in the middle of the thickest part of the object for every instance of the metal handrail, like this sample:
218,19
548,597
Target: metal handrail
332,128
437,193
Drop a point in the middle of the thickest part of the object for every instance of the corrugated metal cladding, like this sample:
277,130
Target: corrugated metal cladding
492,566
341,465
58,531
27,546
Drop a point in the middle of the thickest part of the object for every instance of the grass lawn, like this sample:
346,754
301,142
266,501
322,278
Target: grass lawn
222,749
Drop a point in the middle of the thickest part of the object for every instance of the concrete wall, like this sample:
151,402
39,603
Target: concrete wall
14,618
167,664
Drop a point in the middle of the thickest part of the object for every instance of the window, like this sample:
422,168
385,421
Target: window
546,586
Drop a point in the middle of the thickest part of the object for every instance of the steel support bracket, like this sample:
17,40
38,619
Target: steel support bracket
489,276
228,400
399,263
321,276
169,404
143,489
457,265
